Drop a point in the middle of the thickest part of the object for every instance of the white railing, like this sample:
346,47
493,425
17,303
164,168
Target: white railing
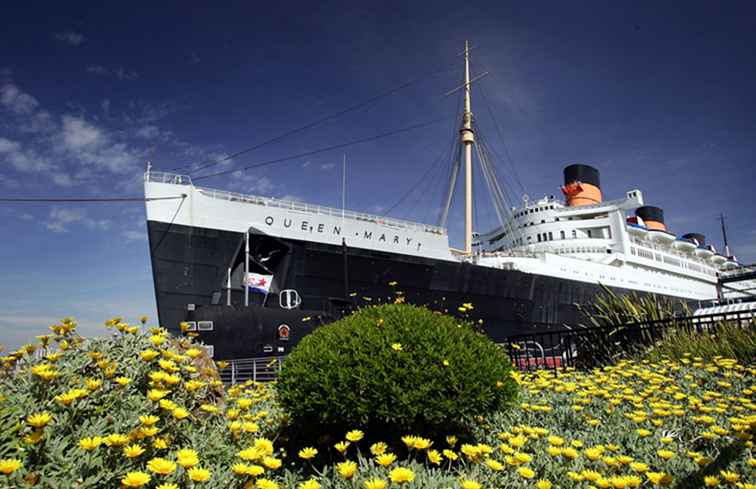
165,177
319,209
254,369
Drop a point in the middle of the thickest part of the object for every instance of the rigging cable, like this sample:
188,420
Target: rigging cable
208,163
325,149
91,200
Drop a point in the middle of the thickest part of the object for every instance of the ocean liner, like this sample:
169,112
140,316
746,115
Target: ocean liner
252,274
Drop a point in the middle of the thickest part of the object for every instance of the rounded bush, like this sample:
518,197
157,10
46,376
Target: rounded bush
394,368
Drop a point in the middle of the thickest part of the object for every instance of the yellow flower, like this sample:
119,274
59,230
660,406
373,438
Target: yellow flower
385,459
123,381
156,394
556,441
666,454
132,451
341,446
643,432
180,413
168,485
469,484
346,469
375,483
186,457
148,420
401,475
659,478
434,457
525,473
309,484
451,440
271,462
450,454
308,452
116,440
135,479
149,355
639,467
266,484
88,443
543,484
730,477
10,465
39,420
711,481
396,346
193,352
199,475
355,436
161,466
378,448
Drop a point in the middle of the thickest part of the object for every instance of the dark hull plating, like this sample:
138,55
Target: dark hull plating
190,266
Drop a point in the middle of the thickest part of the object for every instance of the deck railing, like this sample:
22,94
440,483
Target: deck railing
265,369
591,347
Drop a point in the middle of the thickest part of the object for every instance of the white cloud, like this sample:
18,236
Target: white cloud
69,37
62,180
26,161
12,98
78,134
62,218
328,166
135,235
148,132
117,71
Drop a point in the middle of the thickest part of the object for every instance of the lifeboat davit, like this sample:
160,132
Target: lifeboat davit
684,244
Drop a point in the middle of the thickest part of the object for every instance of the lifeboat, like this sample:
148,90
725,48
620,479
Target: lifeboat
684,244
661,235
730,264
637,229
717,259
704,252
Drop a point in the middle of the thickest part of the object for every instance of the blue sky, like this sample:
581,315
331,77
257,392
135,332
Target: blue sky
656,96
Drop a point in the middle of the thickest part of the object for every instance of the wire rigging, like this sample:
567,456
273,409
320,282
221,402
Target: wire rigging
325,149
90,200
209,163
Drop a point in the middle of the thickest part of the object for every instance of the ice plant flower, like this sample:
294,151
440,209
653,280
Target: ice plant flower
161,466
375,483
346,469
133,451
186,457
309,484
39,420
90,443
308,453
355,436
135,479
385,459
401,475
198,474
10,465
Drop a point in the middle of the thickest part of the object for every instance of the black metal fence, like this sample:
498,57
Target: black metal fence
589,347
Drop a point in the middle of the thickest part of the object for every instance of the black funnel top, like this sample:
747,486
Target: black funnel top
650,213
582,173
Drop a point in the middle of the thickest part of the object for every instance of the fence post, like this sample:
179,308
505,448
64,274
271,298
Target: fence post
254,370
233,373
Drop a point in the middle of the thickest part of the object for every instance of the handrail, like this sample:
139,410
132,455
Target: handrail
165,177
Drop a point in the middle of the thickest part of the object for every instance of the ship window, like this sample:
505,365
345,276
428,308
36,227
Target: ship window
557,219
539,237
574,233
543,221
530,238
589,233
561,233
551,236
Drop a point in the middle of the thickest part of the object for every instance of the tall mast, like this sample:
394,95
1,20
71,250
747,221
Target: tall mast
468,138
724,236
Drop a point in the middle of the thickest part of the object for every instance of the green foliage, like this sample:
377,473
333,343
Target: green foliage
728,340
611,309
352,374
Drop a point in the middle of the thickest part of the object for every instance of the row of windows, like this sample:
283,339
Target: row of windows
536,209
669,260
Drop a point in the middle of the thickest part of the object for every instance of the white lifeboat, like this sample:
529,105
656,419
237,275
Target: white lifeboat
637,229
661,235
718,259
704,252
729,264
684,244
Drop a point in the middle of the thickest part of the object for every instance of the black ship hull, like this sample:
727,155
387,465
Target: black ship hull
190,267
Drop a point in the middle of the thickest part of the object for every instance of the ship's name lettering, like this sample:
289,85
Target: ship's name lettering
336,230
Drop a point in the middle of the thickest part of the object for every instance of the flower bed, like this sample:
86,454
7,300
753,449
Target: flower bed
140,409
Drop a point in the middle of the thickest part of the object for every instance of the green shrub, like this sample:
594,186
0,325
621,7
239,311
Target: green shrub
394,369
727,340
